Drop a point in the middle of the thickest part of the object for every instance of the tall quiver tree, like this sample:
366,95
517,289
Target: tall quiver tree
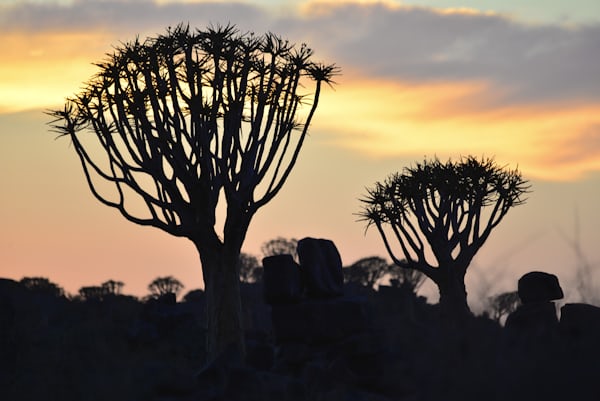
171,126
438,215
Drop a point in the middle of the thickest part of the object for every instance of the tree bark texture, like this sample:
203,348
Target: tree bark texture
453,294
223,299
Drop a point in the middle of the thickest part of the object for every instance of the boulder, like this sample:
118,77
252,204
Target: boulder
282,282
580,329
321,267
580,321
539,287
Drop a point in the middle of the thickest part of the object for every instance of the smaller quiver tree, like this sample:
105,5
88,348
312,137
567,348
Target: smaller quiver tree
440,214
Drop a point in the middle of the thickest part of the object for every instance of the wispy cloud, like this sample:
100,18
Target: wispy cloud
525,62
124,17
387,119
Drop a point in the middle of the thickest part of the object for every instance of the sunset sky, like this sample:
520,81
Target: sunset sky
514,80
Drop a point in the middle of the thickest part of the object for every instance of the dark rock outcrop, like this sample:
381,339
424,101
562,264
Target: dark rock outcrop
282,280
580,322
321,267
536,317
539,287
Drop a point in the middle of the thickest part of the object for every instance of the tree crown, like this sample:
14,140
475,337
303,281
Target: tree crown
443,202
187,115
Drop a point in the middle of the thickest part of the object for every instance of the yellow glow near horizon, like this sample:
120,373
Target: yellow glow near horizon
40,70
392,119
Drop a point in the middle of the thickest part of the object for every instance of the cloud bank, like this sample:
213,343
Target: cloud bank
415,81
525,63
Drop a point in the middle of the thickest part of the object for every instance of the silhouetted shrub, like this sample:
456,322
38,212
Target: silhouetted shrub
250,268
161,286
409,279
502,305
92,293
280,246
42,285
194,296
366,271
112,287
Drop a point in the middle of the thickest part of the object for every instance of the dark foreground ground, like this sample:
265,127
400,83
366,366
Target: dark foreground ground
367,345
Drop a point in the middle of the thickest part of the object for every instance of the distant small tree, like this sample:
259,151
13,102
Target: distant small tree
280,246
410,279
502,305
112,287
366,271
164,285
445,212
94,292
250,268
42,285
109,288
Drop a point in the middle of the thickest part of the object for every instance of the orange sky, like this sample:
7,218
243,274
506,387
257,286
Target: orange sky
375,121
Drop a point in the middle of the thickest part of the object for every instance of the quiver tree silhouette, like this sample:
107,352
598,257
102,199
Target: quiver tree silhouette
171,126
445,212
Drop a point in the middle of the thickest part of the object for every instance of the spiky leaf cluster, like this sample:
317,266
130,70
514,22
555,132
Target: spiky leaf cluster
441,204
181,117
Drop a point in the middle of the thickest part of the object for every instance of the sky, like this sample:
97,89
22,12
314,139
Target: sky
517,81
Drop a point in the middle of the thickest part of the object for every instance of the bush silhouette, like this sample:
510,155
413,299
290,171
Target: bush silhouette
280,246
161,286
366,271
42,285
250,268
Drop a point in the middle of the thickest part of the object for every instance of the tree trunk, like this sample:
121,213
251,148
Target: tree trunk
453,294
223,300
